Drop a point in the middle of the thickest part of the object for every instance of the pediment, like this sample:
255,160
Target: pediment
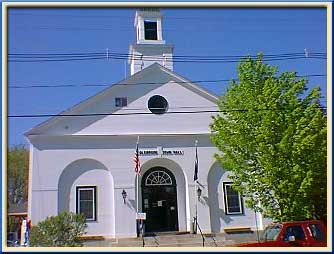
98,115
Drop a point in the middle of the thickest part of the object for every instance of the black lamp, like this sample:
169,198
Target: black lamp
199,192
124,194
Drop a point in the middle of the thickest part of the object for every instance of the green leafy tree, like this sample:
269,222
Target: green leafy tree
17,174
63,230
272,137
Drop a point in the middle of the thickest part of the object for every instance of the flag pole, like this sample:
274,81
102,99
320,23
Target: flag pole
137,180
195,231
137,194
137,189
195,179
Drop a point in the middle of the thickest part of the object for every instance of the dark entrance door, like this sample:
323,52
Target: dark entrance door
159,200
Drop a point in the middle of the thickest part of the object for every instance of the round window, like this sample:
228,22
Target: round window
157,104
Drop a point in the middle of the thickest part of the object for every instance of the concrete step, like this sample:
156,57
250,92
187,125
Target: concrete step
176,243
183,240
194,244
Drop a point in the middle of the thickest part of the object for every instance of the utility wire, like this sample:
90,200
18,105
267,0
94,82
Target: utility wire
171,108
56,57
147,113
139,83
59,60
138,56
175,56
167,60
70,15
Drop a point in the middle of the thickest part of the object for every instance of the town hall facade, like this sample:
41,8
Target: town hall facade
84,162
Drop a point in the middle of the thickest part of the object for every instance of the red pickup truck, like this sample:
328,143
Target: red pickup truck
310,233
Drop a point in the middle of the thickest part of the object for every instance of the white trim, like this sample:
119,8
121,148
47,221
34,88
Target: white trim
226,202
80,188
167,183
124,135
30,190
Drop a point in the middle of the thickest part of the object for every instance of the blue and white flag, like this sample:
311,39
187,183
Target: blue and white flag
196,165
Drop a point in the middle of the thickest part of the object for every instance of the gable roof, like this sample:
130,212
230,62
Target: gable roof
154,68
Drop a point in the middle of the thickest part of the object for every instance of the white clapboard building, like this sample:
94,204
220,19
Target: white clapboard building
86,164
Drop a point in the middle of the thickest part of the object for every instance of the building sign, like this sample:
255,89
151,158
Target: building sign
148,152
160,152
141,216
173,152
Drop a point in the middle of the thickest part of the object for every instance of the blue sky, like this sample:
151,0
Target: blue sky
193,31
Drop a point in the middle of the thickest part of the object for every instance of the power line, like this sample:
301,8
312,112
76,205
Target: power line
59,60
206,18
148,113
169,108
175,56
66,57
128,30
172,108
213,61
178,57
139,83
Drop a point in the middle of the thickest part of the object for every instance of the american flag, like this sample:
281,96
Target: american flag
136,160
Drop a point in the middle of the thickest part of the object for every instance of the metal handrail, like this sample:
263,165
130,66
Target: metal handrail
142,232
214,241
156,241
203,239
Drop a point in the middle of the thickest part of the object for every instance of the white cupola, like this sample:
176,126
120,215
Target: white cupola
150,47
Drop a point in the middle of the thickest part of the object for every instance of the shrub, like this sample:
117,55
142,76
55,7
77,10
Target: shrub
63,230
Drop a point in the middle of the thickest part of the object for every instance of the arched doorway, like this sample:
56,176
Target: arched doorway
159,200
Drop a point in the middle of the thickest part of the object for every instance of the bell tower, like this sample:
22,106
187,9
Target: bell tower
150,47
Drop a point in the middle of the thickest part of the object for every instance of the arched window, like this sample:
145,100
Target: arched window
158,177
